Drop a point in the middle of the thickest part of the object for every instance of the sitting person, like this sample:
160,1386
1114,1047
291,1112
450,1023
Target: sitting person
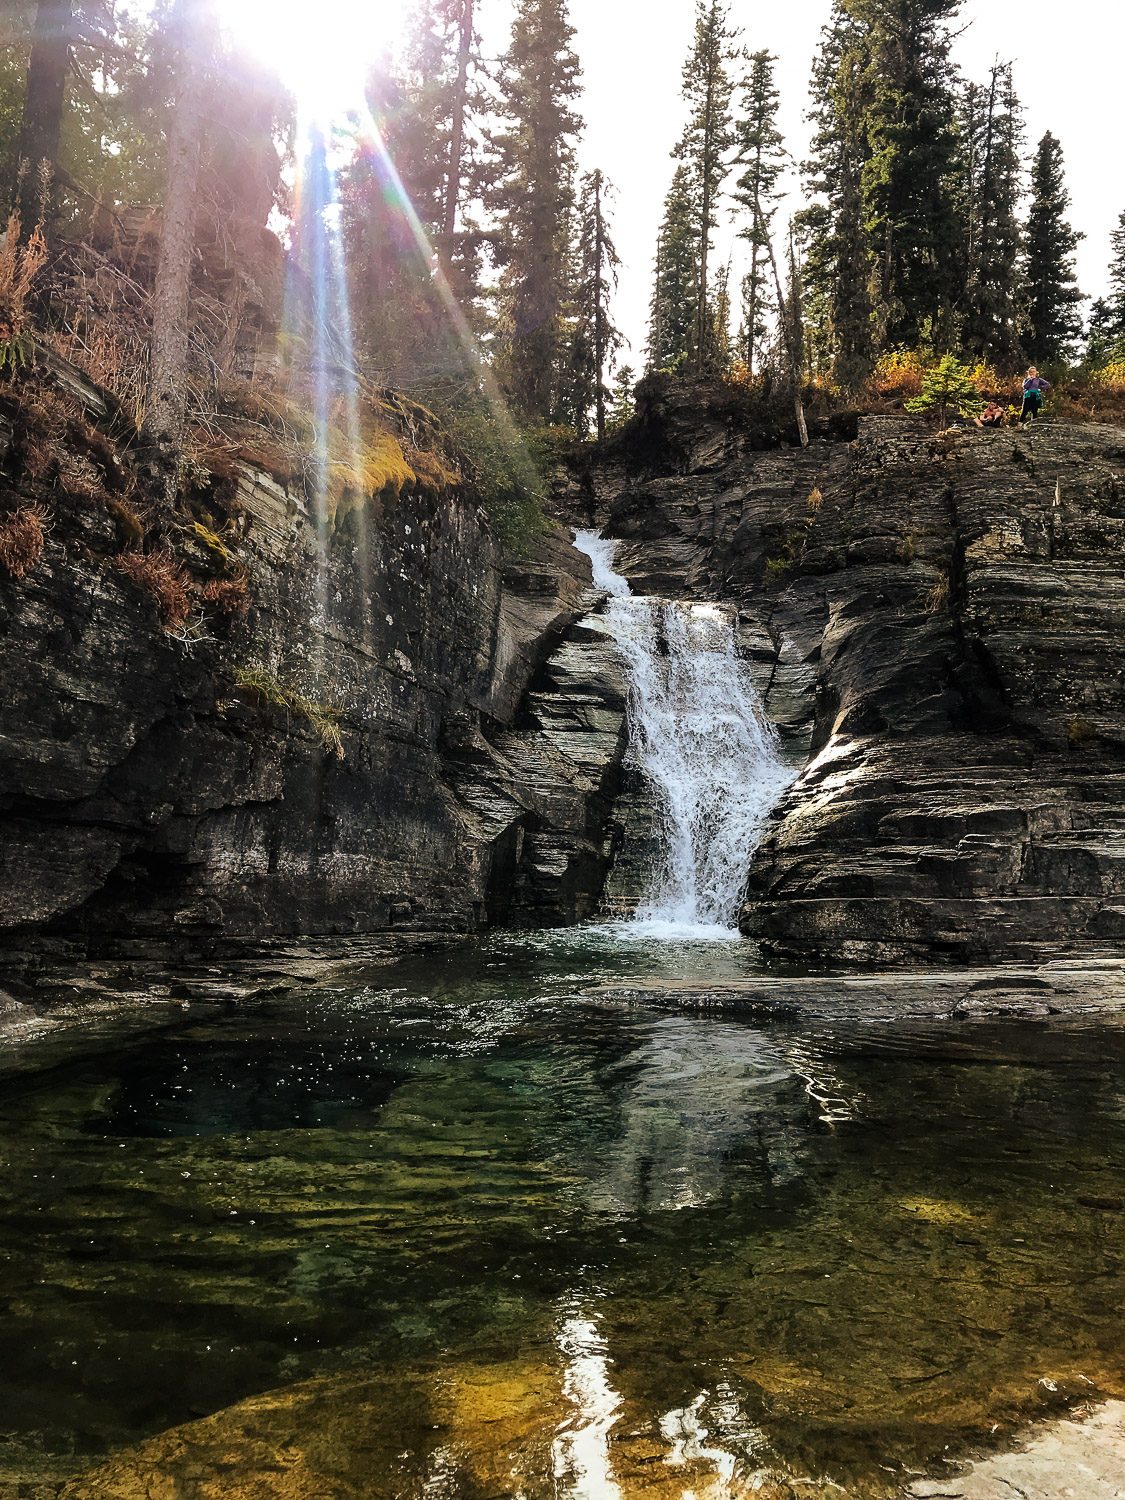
992,416
1035,390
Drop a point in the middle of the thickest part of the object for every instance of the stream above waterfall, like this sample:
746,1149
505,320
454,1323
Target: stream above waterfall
701,744
465,1227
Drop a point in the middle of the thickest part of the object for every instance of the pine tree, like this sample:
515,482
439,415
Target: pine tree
719,350
673,317
532,197
1106,338
791,328
838,259
193,39
947,386
761,154
41,128
623,405
992,132
595,339
703,150
908,203
1051,290
432,135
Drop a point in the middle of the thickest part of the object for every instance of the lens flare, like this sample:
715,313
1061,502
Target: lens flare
322,52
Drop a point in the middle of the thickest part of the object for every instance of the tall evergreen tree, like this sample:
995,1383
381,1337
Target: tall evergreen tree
532,198
1107,316
761,154
992,133
838,260
432,136
193,39
909,209
595,340
704,148
675,295
1051,288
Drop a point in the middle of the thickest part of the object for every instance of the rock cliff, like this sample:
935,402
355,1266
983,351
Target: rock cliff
940,619
382,742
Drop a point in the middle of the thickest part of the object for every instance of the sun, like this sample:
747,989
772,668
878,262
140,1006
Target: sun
322,52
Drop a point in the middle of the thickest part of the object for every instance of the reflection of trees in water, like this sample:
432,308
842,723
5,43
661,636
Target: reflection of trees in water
691,1098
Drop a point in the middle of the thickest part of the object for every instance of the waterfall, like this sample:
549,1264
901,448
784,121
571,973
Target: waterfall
699,737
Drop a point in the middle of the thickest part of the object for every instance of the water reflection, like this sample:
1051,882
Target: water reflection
467,1231
686,1097
582,1465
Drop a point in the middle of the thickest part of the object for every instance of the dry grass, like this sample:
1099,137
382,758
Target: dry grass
937,597
22,538
262,686
159,575
20,264
227,597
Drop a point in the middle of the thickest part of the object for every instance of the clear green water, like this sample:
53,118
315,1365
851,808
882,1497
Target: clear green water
461,1231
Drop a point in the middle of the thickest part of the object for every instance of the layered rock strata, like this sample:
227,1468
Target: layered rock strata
324,767
940,620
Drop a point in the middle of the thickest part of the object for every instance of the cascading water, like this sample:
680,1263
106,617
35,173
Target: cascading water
698,735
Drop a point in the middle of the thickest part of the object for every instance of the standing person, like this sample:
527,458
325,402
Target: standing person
1035,390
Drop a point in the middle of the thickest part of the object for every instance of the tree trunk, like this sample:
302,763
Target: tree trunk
41,128
792,355
162,440
457,139
601,315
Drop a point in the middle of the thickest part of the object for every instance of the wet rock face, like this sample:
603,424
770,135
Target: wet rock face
940,621
145,794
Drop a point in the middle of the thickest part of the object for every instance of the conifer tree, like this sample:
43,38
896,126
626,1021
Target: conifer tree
838,260
532,197
992,133
623,405
946,387
761,154
703,150
909,210
432,136
1107,316
675,296
41,128
595,339
191,27
1051,290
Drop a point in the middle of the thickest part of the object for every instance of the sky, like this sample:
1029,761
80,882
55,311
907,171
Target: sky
1067,55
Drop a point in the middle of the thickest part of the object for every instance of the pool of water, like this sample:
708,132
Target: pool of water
465,1230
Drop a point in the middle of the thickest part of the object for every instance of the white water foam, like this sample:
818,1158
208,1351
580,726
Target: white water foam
698,735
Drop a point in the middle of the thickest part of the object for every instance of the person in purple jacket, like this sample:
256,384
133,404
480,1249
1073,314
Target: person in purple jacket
1035,390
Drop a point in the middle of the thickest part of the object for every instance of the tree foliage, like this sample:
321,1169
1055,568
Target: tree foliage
703,151
1051,288
533,196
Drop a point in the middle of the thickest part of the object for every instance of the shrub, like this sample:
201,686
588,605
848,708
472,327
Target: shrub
22,536
815,501
1110,378
503,469
899,373
159,575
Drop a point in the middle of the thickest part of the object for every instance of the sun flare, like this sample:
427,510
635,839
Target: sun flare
323,52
